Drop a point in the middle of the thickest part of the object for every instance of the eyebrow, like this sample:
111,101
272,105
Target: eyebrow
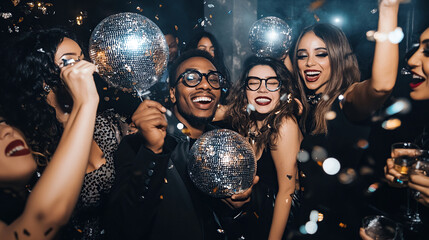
72,54
425,41
319,48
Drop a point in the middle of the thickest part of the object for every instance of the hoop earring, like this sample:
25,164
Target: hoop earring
47,88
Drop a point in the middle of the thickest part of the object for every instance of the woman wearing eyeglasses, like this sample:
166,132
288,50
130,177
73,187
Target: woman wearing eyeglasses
263,109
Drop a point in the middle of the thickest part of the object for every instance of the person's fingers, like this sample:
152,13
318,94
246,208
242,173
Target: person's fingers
423,199
150,104
363,235
420,180
146,113
157,121
246,194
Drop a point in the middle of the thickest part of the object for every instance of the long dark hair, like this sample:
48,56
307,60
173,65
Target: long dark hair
344,72
28,63
242,121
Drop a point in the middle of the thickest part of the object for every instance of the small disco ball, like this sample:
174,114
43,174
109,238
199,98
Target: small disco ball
222,163
270,37
130,52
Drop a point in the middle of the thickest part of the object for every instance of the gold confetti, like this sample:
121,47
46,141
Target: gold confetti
156,17
256,215
176,27
342,225
320,218
316,4
165,180
331,115
161,197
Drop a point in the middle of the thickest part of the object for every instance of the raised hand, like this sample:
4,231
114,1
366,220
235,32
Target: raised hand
149,119
79,80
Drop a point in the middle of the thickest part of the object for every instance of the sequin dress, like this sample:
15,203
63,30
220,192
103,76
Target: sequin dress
85,222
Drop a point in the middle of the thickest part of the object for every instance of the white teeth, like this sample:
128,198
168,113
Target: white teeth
202,99
16,149
262,100
415,76
312,73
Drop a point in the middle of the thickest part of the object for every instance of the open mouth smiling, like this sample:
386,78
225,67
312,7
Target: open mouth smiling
16,148
416,81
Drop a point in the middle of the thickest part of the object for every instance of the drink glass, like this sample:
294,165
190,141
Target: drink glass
382,228
404,156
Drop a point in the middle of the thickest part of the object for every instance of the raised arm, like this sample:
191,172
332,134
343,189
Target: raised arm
363,98
53,198
284,156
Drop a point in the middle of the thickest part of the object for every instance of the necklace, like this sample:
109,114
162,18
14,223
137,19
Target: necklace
314,98
253,135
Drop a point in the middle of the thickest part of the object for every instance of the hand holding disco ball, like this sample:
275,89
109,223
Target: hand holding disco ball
270,37
130,51
222,163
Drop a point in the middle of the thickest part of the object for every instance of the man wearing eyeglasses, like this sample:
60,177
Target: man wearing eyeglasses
153,197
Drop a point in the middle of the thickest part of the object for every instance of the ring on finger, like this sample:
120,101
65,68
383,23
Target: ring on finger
397,180
417,195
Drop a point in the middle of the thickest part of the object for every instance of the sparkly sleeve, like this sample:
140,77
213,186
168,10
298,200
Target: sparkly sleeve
136,193
108,131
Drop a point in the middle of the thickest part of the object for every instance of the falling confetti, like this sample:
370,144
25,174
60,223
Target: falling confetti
314,215
210,5
311,227
331,166
330,115
316,4
362,143
373,187
319,153
6,15
250,108
303,156
347,176
391,124
402,106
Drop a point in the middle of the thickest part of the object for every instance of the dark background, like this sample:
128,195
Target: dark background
186,16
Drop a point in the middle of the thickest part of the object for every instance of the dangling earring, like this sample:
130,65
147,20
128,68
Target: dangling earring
47,88
289,98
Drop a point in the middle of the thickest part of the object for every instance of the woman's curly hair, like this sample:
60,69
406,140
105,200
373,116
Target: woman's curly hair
287,107
28,64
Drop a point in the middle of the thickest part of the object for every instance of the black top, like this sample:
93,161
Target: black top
337,199
11,205
153,197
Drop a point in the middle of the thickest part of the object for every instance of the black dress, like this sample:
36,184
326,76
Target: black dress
267,189
85,221
340,200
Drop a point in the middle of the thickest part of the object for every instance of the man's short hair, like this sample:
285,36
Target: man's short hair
185,56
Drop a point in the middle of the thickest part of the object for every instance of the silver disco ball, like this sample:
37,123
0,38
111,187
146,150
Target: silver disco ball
270,37
222,163
130,51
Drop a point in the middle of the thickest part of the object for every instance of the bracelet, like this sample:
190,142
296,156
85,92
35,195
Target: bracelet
394,36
